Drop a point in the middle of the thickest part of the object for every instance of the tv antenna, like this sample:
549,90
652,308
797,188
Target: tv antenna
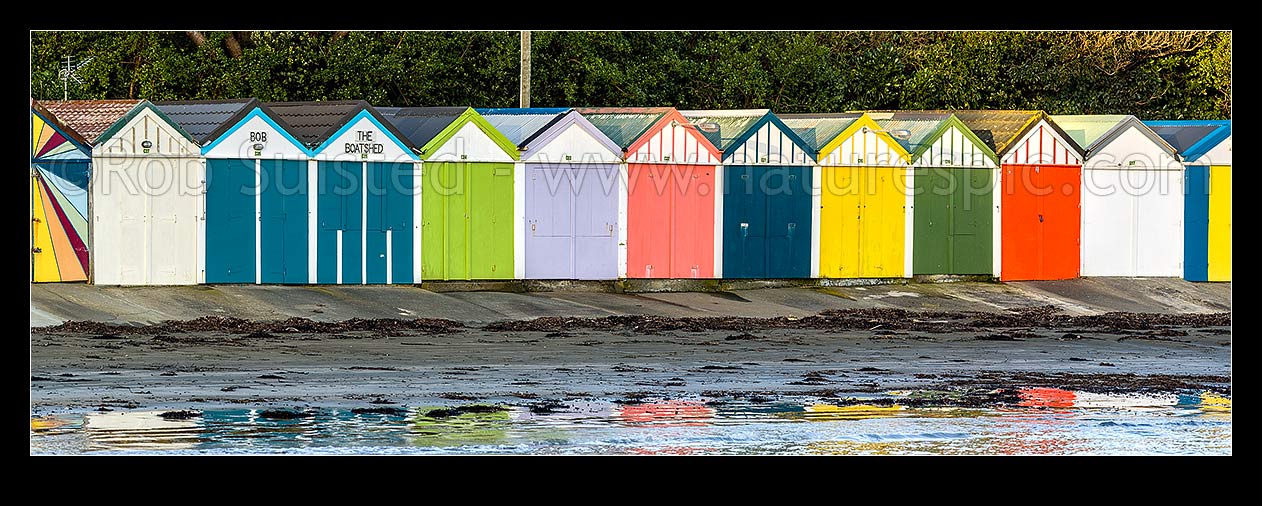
67,74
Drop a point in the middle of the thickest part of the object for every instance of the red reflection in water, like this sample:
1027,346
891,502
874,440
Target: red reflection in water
1046,398
687,413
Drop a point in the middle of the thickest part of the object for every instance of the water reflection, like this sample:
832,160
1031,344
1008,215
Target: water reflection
1049,421
677,413
141,430
452,427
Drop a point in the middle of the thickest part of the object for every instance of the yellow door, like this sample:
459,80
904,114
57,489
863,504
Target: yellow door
882,225
1220,223
43,260
841,203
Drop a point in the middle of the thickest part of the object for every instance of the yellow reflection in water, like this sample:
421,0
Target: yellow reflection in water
829,412
46,423
464,428
1214,402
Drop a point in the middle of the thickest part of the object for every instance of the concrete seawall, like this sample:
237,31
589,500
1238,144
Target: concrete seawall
54,303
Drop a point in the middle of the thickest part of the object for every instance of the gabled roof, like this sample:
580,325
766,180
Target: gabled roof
420,125
65,130
1000,130
207,119
1192,138
736,126
263,112
732,124
89,118
522,125
817,130
427,128
925,128
312,123
624,125
1093,131
141,107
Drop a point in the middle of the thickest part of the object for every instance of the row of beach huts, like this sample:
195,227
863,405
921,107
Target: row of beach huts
133,192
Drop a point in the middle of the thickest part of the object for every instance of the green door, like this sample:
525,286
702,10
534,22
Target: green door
931,251
467,214
952,221
971,219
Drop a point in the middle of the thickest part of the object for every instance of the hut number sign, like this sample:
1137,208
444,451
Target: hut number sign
365,143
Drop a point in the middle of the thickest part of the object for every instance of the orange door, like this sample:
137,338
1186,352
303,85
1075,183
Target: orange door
1040,222
1062,222
1020,223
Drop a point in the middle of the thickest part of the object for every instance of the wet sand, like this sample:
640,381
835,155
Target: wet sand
240,363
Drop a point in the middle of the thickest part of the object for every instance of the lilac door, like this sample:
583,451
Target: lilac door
571,222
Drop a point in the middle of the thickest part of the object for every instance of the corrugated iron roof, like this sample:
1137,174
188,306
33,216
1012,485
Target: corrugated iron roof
1192,138
731,123
205,119
521,125
419,125
624,125
313,122
89,118
818,129
921,125
1087,129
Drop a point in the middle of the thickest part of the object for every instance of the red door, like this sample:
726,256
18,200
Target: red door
692,252
649,190
1020,223
670,221
1062,221
1040,222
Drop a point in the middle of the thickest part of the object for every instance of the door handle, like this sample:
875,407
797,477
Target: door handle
744,230
1040,218
792,227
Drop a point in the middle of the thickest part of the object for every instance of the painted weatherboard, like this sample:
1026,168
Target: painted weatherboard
365,206
671,191
570,228
1205,146
61,164
953,181
864,196
258,202
1132,197
1040,193
767,180
147,202
468,192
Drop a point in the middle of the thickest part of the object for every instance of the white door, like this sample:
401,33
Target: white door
132,233
1159,230
1108,216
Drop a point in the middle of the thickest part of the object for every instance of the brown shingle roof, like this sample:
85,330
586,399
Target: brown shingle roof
89,118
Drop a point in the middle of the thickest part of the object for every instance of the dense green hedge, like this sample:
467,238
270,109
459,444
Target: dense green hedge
1152,75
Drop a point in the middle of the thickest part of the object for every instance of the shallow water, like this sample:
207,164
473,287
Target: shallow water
1121,425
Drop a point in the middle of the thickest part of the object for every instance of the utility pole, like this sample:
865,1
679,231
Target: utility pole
525,68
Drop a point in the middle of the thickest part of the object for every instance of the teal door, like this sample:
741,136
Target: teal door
230,221
766,222
339,207
388,238
283,210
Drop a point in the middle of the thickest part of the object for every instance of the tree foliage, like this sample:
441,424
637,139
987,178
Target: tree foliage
1176,75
